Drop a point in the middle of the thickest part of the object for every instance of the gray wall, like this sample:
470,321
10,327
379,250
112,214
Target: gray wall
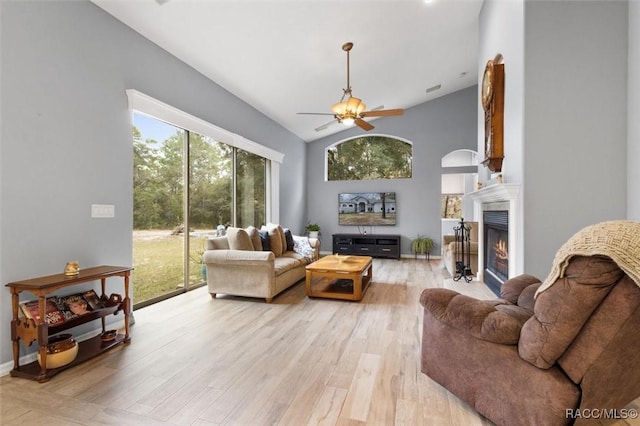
565,131
66,137
435,128
575,141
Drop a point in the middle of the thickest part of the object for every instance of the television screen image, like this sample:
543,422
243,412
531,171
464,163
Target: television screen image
367,208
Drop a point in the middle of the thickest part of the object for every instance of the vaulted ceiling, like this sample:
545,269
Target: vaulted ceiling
284,57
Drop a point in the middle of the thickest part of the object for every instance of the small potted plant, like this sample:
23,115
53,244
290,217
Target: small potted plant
422,245
196,256
313,229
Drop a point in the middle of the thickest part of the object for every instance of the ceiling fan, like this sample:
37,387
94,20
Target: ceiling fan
351,110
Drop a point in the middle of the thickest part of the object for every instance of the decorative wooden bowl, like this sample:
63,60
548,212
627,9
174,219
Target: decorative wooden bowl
61,350
109,335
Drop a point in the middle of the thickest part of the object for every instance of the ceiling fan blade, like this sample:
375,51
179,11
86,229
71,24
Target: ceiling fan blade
325,126
314,113
383,112
363,124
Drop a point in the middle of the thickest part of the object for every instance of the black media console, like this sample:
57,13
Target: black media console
367,245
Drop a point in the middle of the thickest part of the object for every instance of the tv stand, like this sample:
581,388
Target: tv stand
374,245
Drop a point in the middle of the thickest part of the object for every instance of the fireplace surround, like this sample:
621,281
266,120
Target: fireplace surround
500,197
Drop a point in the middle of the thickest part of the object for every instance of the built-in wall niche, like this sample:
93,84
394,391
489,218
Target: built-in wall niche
459,177
454,187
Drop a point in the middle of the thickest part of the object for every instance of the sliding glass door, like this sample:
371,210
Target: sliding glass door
158,193
210,197
187,188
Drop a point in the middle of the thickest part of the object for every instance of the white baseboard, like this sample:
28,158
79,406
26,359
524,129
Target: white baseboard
402,256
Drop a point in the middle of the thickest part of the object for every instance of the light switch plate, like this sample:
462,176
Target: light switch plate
103,210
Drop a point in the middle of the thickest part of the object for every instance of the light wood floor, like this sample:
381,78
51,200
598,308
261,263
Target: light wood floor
234,361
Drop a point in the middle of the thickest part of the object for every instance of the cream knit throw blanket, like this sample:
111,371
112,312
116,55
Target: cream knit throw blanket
618,240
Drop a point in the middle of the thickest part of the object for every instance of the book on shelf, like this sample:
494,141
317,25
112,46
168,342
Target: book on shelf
52,315
93,300
63,308
77,304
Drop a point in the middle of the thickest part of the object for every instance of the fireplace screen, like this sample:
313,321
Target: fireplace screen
498,253
496,249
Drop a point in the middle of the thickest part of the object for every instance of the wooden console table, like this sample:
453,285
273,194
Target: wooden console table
29,330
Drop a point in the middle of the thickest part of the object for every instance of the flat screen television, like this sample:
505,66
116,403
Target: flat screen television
367,208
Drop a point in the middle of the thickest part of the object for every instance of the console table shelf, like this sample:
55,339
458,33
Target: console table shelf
29,330
374,245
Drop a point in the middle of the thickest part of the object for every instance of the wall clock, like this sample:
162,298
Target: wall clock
493,105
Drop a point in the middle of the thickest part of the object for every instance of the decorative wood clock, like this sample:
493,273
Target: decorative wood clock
493,105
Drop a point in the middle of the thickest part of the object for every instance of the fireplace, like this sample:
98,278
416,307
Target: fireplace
496,248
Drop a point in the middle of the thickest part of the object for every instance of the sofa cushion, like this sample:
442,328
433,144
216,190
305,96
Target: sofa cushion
286,263
239,239
283,240
255,238
276,238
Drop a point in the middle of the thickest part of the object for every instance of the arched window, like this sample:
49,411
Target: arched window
369,157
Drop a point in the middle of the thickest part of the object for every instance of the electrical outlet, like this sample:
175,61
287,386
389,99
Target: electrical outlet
103,210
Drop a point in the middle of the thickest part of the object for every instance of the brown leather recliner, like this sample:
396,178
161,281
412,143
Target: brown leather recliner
571,355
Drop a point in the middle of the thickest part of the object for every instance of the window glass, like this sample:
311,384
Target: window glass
370,157
451,206
250,189
168,160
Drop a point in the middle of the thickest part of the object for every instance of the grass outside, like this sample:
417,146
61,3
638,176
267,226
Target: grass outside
158,262
368,218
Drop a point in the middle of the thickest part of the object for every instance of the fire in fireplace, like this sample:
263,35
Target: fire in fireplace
496,249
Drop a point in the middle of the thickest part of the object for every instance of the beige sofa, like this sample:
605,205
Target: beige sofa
257,263
450,249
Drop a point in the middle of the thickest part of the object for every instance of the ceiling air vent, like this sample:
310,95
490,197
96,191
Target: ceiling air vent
434,88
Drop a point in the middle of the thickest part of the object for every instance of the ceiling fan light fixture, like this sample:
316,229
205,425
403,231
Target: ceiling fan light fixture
351,107
339,108
353,110
355,106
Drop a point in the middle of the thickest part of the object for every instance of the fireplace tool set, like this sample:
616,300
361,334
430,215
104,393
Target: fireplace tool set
463,252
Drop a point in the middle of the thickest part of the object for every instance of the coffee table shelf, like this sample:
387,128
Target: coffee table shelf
327,277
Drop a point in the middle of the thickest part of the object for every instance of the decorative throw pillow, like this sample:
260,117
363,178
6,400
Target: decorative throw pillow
288,238
239,239
302,247
255,238
264,240
275,239
283,241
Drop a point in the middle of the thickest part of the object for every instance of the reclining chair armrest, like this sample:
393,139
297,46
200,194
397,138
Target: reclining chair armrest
480,319
238,257
512,290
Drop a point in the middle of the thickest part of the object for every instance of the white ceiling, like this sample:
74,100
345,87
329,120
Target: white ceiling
284,57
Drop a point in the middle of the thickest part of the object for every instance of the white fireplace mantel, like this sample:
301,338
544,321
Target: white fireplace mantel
497,193
500,196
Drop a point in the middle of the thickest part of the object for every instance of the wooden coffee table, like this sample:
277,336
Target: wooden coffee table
339,277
